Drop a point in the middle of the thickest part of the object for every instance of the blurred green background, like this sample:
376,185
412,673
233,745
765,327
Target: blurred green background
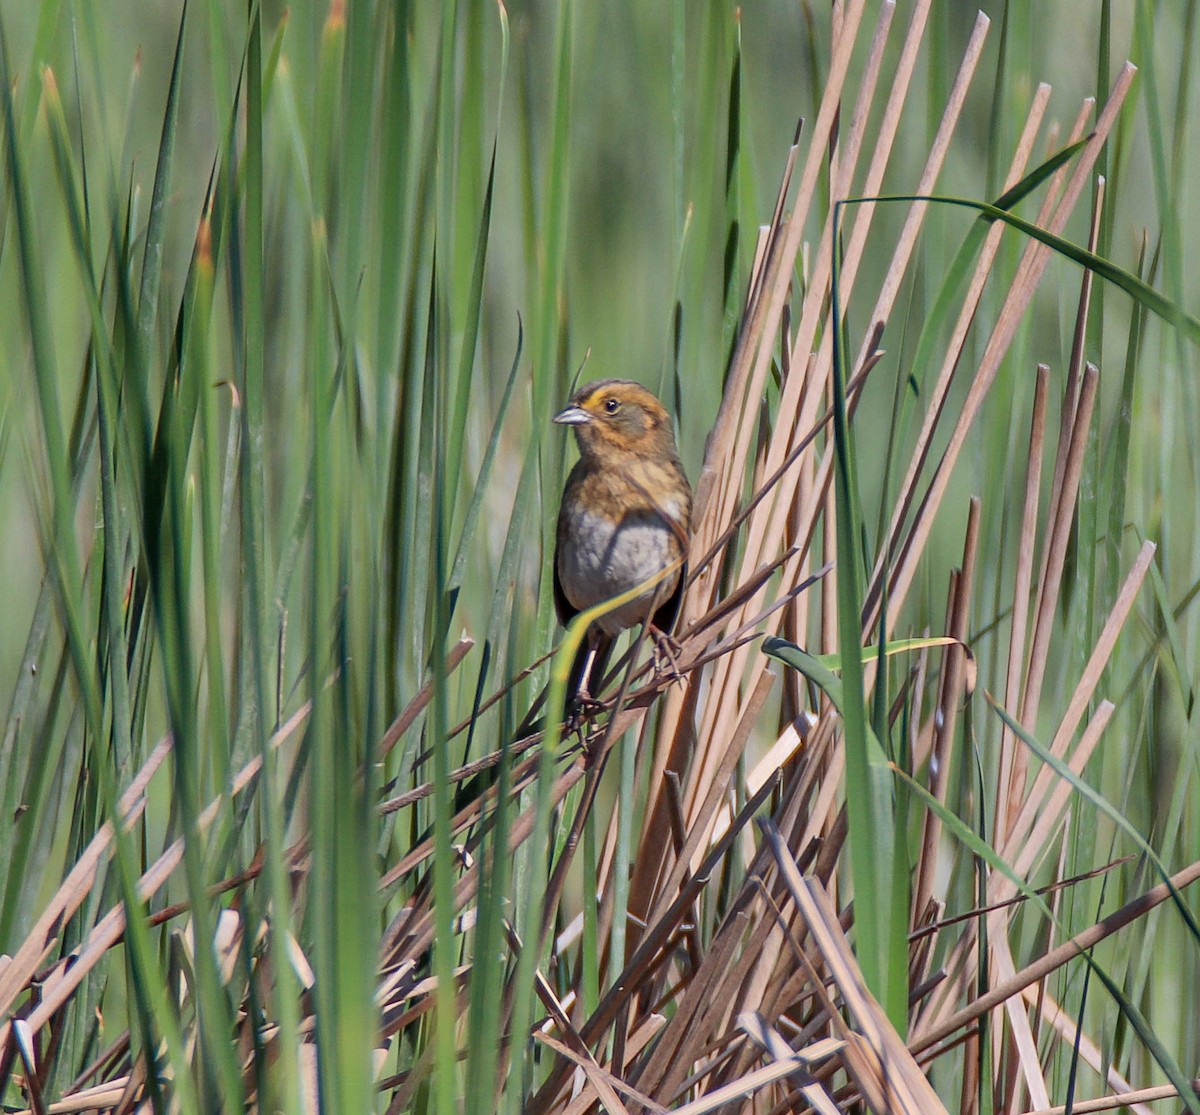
644,144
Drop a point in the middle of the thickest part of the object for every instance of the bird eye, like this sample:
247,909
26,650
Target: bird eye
611,406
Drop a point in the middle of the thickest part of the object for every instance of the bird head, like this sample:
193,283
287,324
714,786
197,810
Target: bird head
614,417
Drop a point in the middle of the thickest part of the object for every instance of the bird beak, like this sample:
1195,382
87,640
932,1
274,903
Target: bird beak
573,416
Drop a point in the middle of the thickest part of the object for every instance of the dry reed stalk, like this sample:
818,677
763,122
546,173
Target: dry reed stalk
705,819
790,514
729,440
887,1077
412,711
1020,1031
574,1048
1072,1038
765,530
1084,690
770,1040
953,689
1132,1099
1054,553
771,532
601,1086
727,450
928,1036
652,951
17,970
412,934
1020,847
109,929
1033,264
686,1032
523,775
16,976
1053,807
1010,776
954,350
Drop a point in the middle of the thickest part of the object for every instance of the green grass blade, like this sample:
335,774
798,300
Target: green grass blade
255,564
477,504
1101,803
1140,291
869,794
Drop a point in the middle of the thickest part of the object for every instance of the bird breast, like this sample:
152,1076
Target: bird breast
608,557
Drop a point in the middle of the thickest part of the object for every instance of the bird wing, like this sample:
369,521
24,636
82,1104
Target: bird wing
668,611
565,609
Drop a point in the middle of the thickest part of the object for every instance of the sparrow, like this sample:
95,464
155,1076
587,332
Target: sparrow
625,516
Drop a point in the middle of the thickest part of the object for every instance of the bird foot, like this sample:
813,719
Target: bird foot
580,709
666,652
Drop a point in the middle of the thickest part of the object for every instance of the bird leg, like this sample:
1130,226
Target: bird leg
583,694
591,660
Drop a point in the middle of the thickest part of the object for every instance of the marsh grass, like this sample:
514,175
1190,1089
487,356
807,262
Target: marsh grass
284,823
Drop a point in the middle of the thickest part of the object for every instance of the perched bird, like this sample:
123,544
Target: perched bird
625,516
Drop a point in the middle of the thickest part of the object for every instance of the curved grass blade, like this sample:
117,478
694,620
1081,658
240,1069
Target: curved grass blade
1104,806
1039,174
1139,290
896,646
977,845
